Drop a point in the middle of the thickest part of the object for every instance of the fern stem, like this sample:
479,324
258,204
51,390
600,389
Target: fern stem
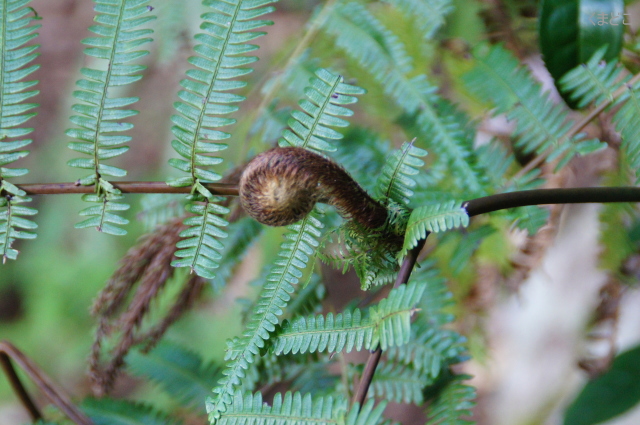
580,125
374,358
55,394
18,388
223,189
581,195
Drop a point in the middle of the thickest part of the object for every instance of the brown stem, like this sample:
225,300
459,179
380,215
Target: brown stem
374,358
224,189
56,395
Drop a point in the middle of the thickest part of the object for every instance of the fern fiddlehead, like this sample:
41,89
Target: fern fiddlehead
281,186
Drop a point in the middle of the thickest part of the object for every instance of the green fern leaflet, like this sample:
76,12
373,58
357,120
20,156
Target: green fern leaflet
302,240
322,108
15,31
100,115
204,98
387,324
593,83
433,219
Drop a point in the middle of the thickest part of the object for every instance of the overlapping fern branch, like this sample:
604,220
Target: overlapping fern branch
204,101
386,324
101,114
542,127
438,124
16,30
309,130
298,409
597,82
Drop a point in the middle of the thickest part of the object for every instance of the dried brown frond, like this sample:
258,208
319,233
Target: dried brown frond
125,302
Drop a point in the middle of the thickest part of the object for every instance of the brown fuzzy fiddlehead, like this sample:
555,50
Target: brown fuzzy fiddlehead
281,186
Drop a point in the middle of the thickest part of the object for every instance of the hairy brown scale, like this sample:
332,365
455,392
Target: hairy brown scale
281,186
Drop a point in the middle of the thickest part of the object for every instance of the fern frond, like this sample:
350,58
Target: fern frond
453,404
429,351
386,324
437,300
298,409
242,234
293,408
204,99
100,114
181,373
322,109
594,81
158,208
122,412
302,240
101,216
16,30
541,126
433,219
379,52
395,181
429,15
200,249
597,81
205,95
398,384
13,225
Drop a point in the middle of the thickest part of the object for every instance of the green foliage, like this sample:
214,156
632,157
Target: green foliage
16,30
429,351
453,405
322,108
542,127
181,373
13,225
224,43
295,408
596,82
570,32
610,394
287,271
101,113
433,219
120,412
395,182
386,324
200,250
398,384
381,53
205,96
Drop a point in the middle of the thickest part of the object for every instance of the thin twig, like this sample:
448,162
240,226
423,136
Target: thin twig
580,125
56,395
374,358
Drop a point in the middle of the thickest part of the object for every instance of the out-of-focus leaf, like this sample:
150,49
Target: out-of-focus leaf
610,394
